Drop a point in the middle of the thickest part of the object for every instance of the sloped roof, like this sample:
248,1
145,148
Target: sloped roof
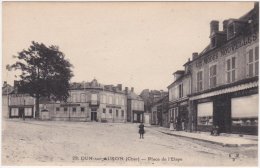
133,95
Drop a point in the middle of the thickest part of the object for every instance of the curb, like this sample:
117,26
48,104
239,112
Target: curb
208,141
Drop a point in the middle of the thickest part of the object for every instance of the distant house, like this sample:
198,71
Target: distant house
6,90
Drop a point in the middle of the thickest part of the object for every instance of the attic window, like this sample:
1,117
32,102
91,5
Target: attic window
231,31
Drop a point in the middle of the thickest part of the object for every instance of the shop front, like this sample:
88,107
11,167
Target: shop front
138,116
21,111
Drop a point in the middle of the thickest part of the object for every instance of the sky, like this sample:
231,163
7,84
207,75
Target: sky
137,44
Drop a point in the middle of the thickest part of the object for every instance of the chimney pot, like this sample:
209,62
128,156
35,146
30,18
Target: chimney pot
195,55
132,89
214,26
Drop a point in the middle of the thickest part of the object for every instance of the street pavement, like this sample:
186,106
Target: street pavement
32,142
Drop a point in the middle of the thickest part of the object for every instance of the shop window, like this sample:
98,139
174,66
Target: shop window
28,111
82,109
116,100
205,120
57,109
104,110
199,81
122,113
74,109
213,76
231,69
252,61
14,112
205,113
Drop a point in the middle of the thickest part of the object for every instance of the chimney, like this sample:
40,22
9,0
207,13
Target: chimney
126,90
214,26
225,23
256,6
132,89
195,55
5,84
119,86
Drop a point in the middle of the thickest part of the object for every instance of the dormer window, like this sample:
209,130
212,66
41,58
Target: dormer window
231,31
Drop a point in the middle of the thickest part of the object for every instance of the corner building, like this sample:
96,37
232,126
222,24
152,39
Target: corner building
225,77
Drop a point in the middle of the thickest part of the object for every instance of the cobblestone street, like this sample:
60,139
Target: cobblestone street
33,142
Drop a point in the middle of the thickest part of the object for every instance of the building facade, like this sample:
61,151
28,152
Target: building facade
224,78
178,98
88,101
135,107
160,115
6,90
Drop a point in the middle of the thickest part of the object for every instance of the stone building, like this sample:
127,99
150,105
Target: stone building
178,98
135,106
6,90
88,101
160,115
223,87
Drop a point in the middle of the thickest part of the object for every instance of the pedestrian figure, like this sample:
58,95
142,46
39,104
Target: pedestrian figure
23,116
171,125
141,130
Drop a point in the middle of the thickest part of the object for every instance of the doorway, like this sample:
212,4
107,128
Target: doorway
21,112
93,115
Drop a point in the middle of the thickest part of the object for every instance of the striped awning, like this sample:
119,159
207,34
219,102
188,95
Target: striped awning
226,90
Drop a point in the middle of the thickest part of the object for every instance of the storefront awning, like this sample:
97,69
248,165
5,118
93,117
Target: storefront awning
226,90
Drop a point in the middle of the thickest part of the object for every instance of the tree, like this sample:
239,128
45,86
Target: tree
44,73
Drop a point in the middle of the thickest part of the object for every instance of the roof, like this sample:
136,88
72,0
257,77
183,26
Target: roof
7,89
133,95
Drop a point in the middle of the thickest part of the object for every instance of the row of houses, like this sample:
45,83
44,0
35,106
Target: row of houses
88,101
218,86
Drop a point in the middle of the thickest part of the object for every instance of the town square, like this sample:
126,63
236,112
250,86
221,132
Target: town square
130,84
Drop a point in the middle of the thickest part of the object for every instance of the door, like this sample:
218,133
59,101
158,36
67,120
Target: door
21,112
93,116
138,117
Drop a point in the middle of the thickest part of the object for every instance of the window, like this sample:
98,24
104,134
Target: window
122,101
28,111
82,97
65,109
74,97
117,113
94,99
110,111
82,109
104,110
180,90
57,109
104,97
122,113
231,31
252,61
14,112
110,100
231,69
199,81
116,100
74,109
213,76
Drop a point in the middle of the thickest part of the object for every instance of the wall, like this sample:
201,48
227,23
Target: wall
219,56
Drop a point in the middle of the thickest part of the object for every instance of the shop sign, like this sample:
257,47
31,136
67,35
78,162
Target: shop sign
226,50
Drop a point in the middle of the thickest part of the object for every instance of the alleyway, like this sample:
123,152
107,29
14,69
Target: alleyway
85,143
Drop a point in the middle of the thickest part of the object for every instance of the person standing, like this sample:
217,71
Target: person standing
141,130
